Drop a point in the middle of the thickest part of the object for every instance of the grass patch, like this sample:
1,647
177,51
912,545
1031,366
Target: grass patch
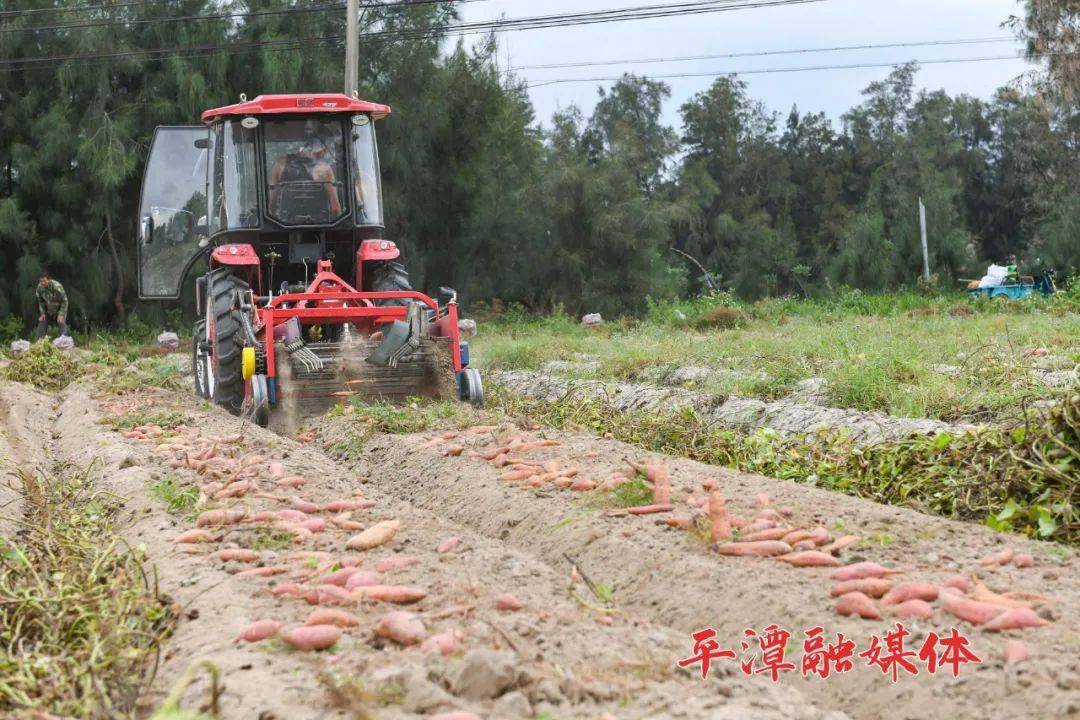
44,366
352,424
905,354
148,415
632,493
1025,479
81,620
179,499
264,538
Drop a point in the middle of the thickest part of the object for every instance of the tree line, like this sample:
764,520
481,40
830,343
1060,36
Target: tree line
580,212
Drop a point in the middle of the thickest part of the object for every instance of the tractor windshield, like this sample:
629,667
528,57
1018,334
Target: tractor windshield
366,172
305,161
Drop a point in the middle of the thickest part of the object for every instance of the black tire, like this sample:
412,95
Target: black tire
387,276
222,287
198,363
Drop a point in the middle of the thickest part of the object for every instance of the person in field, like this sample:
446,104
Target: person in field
52,302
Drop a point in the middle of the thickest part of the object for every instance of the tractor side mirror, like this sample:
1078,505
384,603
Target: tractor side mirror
202,143
146,229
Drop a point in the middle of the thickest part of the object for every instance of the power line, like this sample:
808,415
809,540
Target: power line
141,3
810,68
502,25
800,51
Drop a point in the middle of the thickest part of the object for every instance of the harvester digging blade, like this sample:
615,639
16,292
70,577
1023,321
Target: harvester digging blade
400,339
344,373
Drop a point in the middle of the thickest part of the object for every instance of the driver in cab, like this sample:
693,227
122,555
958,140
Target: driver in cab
307,164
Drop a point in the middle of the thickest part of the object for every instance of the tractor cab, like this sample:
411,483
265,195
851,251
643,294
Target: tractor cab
297,176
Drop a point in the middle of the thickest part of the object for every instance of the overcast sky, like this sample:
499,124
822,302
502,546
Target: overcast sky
828,23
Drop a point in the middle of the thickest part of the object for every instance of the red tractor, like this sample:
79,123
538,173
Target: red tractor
275,191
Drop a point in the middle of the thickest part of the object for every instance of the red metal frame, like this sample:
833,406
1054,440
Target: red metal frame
304,103
329,299
240,255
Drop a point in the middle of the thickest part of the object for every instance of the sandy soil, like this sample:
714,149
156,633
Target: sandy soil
555,657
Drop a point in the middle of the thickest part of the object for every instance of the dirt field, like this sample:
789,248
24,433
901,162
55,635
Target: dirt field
563,654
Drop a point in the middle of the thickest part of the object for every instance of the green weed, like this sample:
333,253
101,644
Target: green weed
44,366
177,498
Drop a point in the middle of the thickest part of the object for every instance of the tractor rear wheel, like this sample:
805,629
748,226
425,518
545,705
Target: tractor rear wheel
388,276
223,321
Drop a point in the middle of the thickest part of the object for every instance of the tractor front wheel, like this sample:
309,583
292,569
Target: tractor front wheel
226,385
387,276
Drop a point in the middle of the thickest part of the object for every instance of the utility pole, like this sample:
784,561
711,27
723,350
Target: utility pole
352,47
922,231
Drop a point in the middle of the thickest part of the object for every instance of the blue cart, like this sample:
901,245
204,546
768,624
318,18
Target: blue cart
1027,286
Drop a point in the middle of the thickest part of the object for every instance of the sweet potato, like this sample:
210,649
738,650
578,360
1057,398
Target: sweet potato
292,514
770,514
264,516
516,475
720,526
339,577
582,485
219,517
661,480
820,536
999,558
649,509
760,548
363,578
1016,651
331,616
376,535
973,611
762,499
259,631
959,582
304,506
855,603
313,525
809,558
290,589
396,594
769,534
268,571
196,535
914,608
448,545
453,450
238,555
804,545
759,525
312,637
863,570
402,627
395,563
337,506
1023,560
872,587
984,594
293,481
508,602
327,595
796,536
1015,619
447,643
910,591
277,469
708,484
455,715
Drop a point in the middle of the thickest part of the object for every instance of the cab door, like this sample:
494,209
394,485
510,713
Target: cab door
172,210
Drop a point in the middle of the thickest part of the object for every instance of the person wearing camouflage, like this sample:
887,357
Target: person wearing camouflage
52,301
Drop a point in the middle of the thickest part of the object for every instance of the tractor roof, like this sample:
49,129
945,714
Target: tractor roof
298,105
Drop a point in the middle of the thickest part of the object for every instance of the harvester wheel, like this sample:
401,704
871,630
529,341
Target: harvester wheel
199,364
471,387
227,384
388,276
